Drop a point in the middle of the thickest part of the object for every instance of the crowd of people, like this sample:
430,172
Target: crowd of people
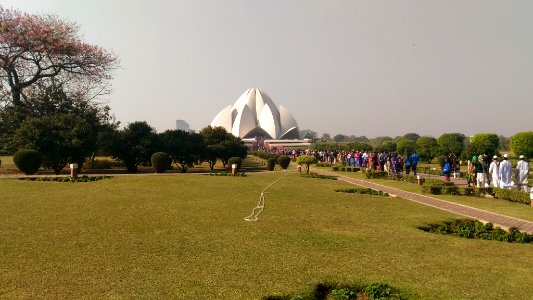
482,173
392,163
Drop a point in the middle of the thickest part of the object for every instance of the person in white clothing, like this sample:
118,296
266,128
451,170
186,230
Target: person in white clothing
494,171
505,173
521,173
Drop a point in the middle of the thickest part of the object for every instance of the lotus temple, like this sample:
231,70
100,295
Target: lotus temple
260,122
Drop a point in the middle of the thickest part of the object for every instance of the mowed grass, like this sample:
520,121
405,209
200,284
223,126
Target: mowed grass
500,206
7,166
184,237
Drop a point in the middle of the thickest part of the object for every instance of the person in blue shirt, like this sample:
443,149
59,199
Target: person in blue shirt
414,161
446,169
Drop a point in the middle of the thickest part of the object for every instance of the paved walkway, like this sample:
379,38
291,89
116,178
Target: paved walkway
459,209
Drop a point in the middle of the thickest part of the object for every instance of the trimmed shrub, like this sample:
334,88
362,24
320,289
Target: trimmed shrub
263,155
27,160
160,162
235,160
332,290
85,178
271,164
319,176
284,161
512,195
322,164
366,191
306,160
474,229
373,174
227,174
509,195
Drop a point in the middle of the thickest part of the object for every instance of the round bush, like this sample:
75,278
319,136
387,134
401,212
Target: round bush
284,162
160,161
27,160
235,160
271,163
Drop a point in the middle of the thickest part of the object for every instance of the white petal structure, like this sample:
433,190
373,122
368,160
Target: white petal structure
255,114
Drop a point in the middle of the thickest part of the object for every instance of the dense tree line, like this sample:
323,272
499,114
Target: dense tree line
429,147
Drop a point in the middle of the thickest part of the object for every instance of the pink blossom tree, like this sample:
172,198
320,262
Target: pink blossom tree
36,48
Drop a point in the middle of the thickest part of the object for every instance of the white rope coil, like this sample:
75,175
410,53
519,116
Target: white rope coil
261,204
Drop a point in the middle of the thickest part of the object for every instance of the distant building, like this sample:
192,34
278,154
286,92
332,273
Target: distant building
260,123
182,125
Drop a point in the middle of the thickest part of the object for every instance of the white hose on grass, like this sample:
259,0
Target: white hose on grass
261,204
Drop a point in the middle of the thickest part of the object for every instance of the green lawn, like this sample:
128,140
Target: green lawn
184,237
7,165
494,205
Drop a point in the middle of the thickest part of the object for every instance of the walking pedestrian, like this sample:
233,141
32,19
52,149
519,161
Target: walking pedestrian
521,174
505,173
494,171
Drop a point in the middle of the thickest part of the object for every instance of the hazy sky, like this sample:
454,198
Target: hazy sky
352,67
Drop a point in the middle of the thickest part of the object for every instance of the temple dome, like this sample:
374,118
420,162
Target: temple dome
255,114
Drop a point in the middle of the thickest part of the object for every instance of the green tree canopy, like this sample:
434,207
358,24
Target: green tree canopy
59,138
185,148
340,138
306,160
487,143
411,136
222,145
379,140
134,144
427,148
451,143
387,146
359,146
522,144
405,146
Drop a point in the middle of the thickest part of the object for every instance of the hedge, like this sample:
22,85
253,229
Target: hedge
85,178
160,162
319,176
373,174
263,155
329,290
235,161
283,161
366,191
505,194
271,164
474,229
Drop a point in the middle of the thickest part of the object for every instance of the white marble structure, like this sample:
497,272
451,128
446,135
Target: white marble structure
255,114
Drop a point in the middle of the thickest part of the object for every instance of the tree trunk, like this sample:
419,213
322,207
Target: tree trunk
16,95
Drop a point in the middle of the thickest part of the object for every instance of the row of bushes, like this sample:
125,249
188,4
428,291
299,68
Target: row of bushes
505,194
263,155
474,229
346,169
373,174
227,174
67,179
319,176
322,164
364,191
282,161
326,290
